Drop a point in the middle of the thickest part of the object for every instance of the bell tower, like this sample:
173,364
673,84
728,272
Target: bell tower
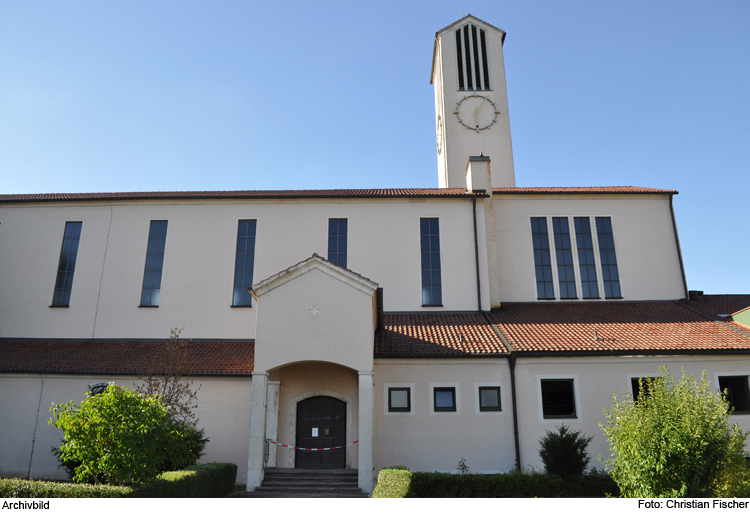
471,102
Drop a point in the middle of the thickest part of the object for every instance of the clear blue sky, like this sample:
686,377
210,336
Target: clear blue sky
188,95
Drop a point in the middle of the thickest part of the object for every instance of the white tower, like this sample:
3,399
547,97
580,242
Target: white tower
471,102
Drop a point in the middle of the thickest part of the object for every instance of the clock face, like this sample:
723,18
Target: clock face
476,112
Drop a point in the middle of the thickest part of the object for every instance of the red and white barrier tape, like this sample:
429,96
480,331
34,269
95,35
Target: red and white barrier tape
313,448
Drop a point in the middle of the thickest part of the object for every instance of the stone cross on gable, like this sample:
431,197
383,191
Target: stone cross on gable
314,311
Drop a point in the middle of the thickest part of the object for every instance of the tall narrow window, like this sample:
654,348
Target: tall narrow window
68,253
610,276
157,239
586,260
472,61
337,241
545,290
565,273
431,282
244,263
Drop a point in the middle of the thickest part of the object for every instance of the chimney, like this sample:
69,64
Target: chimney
478,177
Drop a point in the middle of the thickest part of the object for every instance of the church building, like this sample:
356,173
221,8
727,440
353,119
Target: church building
365,328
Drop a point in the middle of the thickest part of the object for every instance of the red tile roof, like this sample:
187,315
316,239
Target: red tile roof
581,190
614,327
436,335
222,357
365,193
245,194
715,304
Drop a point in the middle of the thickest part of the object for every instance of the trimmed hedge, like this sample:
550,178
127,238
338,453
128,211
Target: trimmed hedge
393,483
200,481
20,488
399,483
203,480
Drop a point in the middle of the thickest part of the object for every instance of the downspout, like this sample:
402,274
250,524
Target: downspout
36,423
679,250
476,253
512,355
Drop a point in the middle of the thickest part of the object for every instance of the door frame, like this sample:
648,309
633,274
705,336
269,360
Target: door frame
293,419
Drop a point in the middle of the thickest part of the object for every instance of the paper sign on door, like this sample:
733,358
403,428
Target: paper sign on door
314,431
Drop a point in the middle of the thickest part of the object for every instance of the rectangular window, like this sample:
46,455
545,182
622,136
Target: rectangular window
586,260
558,398
399,400
635,385
431,281
337,241
735,390
472,61
545,290
565,273
157,239
244,263
67,265
444,399
489,399
610,277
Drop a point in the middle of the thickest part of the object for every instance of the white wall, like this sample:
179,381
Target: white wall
647,258
196,290
341,331
429,441
222,411
596,379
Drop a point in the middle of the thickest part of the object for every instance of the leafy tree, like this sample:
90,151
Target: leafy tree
675,441
167,373
120,436
564,452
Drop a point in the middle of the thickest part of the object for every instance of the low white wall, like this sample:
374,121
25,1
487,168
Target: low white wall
427,441
596,379
222,411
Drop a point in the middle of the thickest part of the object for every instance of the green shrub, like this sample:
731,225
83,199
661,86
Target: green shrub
564,453
119,437
516,484
392,483
675,441
19,488
200,481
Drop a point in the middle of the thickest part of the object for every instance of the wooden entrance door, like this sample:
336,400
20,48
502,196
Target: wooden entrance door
321,422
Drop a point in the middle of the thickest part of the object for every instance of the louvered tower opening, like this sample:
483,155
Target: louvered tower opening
472,59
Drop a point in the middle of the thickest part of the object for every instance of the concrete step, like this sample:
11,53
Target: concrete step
296,483
307,483
283,495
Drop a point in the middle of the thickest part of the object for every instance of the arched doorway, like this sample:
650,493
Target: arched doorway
321,423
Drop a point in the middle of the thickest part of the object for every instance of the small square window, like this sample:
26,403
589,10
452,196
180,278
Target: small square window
489,399
399,400
736,392
445,399
558,399
647,381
